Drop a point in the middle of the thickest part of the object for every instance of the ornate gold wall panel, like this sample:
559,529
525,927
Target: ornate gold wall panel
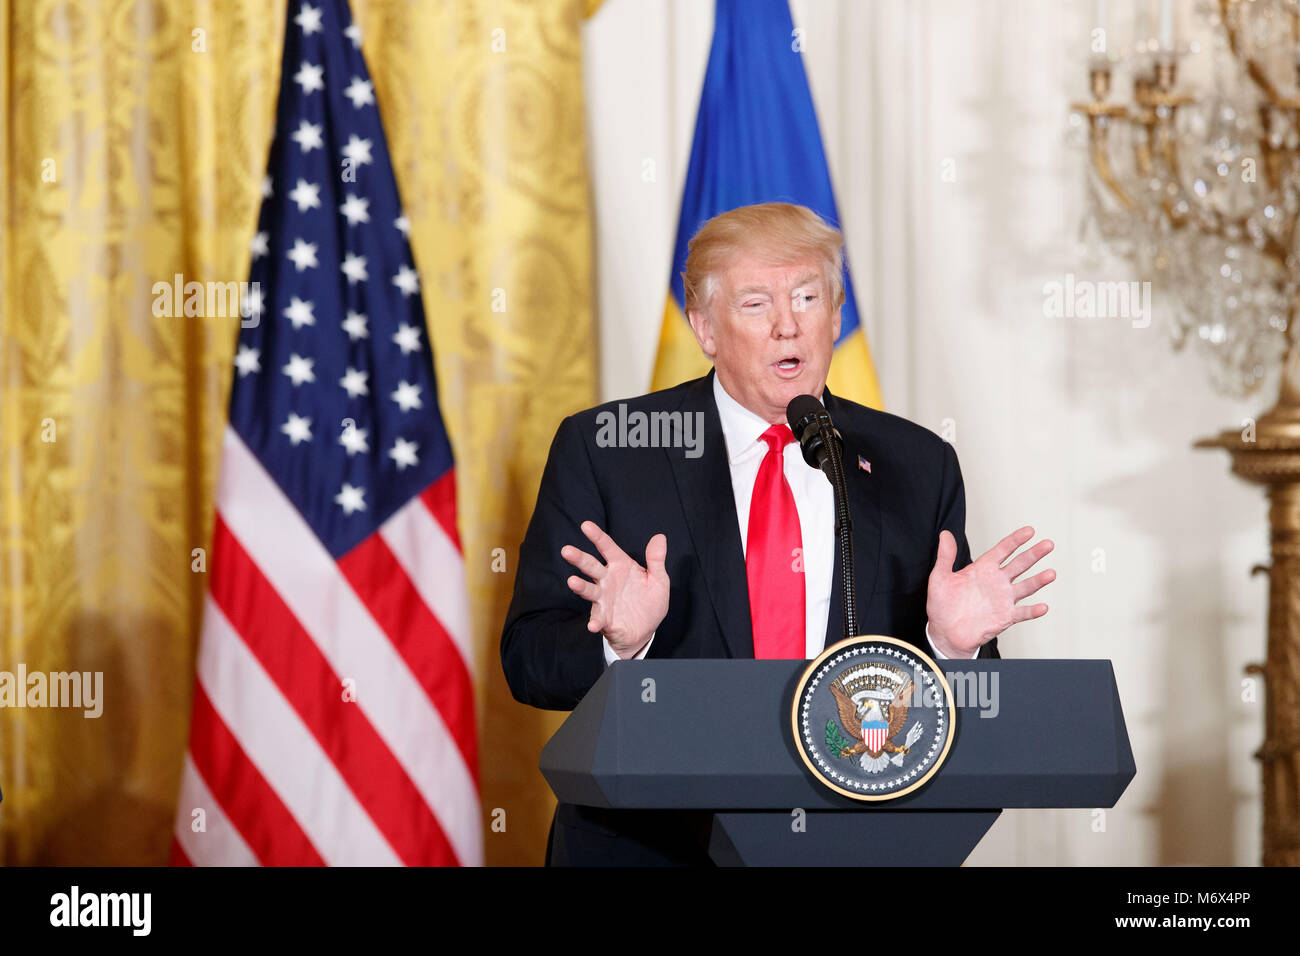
132,150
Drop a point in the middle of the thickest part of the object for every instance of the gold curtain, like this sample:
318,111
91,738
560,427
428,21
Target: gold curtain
136,138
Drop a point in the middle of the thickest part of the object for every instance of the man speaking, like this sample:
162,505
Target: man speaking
724,545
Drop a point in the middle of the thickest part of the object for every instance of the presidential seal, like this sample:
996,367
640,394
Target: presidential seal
873,717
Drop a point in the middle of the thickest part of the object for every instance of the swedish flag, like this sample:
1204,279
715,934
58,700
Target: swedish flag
757,140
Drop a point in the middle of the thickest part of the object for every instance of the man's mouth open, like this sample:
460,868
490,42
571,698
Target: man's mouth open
788,367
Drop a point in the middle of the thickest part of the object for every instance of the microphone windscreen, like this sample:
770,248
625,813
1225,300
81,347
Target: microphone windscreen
802,410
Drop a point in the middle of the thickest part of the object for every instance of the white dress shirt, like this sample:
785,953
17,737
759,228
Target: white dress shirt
814,500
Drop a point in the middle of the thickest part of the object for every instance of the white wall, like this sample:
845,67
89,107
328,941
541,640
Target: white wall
1082,428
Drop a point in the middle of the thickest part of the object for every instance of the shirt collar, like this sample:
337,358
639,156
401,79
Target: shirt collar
742,429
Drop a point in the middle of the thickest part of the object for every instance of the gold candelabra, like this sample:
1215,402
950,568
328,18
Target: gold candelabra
1163,207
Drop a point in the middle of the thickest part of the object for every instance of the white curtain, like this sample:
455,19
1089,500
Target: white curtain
945,123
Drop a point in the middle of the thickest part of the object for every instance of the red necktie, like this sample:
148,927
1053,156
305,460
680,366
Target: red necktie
774,557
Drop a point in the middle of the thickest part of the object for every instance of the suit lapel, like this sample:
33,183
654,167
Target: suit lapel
864,512
704,488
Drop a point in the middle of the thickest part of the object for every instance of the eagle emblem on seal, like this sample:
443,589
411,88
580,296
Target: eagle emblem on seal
873,717
873,713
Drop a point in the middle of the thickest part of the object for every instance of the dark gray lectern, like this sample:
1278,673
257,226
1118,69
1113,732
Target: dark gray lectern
715,735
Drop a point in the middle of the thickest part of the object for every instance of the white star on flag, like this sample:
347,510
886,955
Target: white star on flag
303,255
355,209
354,440
306,195
354,267
407,396
299,313
298,429
350,499
354,381
308,137
299,369
407,338
355,326
358,150
408,280
360,92
309,19
248,360
403,452
310,77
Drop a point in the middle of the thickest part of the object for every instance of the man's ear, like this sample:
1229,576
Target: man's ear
702,326
835,324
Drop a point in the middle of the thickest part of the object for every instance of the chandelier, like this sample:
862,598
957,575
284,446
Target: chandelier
1202,194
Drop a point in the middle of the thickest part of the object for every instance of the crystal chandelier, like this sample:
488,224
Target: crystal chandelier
1202,194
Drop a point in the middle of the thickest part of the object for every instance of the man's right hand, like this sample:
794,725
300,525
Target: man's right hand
628,602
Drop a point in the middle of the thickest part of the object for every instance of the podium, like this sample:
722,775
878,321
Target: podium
715,736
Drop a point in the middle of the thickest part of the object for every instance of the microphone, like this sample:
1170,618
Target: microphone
812,428
823,448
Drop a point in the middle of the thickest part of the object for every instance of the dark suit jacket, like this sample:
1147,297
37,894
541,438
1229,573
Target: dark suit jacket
914,490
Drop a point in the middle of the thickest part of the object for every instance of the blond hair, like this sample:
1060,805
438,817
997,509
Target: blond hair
775,232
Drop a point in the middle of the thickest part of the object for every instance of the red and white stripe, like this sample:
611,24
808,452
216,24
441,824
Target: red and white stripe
874,737
285,769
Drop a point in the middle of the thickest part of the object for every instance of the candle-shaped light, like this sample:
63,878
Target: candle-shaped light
1098,23
1167,25
1144,39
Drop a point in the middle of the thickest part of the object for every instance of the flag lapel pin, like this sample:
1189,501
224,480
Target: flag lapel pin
864,464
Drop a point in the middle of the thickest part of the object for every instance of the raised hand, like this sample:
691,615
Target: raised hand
970,607
628,602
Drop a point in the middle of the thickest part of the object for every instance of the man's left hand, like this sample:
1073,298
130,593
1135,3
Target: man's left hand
970,607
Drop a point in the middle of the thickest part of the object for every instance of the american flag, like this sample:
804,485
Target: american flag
333,716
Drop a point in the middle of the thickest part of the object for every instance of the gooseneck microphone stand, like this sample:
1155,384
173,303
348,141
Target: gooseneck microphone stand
822,448
844,534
